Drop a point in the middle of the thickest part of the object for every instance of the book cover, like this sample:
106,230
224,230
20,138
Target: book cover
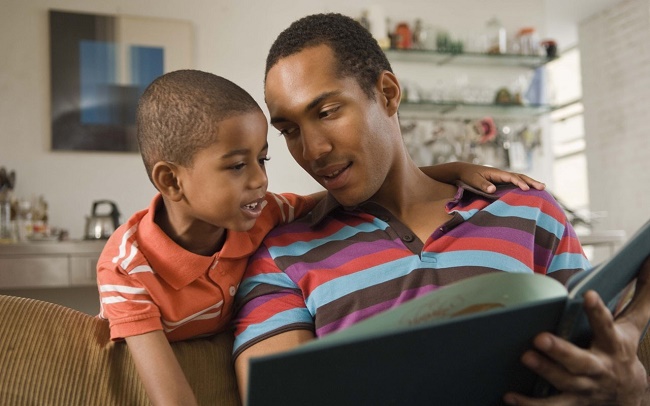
459,345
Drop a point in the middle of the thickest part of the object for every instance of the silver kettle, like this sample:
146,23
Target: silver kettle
101,226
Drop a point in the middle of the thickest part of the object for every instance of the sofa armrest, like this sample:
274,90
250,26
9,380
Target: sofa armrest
54,355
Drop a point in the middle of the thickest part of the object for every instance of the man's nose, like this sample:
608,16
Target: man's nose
314,145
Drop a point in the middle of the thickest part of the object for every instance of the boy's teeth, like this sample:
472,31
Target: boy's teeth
251,206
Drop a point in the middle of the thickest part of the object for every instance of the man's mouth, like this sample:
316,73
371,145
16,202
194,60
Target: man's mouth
335,173
334,177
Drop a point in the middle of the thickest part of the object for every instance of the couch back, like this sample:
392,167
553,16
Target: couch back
54,355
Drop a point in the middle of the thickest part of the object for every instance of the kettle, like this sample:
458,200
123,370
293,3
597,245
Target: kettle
101,226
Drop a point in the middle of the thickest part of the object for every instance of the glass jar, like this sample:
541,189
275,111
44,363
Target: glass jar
527,40
6,229
404,36
496,37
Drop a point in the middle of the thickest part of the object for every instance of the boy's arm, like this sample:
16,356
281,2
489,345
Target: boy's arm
159,370
318,196
479,176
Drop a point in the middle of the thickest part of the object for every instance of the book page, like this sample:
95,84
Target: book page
481,294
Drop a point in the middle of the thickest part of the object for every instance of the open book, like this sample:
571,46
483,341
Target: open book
459,345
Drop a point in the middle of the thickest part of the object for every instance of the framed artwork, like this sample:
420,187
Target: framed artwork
99,67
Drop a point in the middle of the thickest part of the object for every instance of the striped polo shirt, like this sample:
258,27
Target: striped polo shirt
338,266
147,282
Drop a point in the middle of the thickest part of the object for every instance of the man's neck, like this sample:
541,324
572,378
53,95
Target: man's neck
417,200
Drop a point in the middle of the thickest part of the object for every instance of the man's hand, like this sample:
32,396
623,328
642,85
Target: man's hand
609,371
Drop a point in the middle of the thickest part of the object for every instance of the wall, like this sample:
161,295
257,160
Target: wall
231,39
615,56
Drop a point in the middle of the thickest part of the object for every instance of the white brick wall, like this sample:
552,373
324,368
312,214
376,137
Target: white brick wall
615,55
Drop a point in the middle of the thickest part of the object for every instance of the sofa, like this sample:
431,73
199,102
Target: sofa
54,355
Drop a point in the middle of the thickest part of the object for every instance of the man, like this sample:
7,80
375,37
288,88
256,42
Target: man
387,233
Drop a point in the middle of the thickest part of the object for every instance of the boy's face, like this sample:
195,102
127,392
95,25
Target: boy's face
332,129
226,184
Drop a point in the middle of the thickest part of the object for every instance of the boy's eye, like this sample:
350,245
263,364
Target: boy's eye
238,166
263,160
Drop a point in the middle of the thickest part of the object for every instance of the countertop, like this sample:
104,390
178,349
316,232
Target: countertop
53,247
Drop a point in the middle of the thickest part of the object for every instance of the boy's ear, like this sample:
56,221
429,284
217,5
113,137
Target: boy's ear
165,178
391,93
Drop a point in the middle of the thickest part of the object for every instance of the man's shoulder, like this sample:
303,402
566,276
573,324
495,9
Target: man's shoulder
315,225
303,226
509,192
512,201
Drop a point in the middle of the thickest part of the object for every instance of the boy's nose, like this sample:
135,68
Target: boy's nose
258,178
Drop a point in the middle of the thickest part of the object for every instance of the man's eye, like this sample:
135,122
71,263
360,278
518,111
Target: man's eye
328,112
288,131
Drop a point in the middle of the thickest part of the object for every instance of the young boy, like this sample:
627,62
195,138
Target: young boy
171,271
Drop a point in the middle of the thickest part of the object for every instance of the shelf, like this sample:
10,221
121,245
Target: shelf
467,58
452,109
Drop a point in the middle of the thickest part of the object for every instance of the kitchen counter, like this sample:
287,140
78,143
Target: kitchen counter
58,272
52,247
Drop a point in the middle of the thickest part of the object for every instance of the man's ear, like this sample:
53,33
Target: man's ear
165,178
391,93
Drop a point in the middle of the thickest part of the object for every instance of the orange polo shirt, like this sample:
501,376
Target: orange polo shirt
147,282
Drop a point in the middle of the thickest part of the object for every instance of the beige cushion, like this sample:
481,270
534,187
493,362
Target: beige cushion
54,355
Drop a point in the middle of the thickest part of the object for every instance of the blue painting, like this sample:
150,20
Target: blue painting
96,80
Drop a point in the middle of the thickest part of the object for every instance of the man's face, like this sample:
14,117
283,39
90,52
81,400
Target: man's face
333,130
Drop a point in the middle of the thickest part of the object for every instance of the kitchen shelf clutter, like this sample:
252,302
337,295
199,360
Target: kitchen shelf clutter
455,119
477,97
468,101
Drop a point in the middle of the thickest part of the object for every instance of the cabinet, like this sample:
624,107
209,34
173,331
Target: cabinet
49,264
57,272
449,110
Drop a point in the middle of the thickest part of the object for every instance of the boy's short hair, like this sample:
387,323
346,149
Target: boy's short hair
179,112
357,53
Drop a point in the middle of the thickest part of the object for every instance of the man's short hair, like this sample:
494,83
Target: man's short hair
179,112
357,53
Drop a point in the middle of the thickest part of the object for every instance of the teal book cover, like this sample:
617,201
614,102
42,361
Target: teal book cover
458,345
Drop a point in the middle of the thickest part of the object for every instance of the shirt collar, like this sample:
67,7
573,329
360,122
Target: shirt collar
239,244
329,204
177,266
323,208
